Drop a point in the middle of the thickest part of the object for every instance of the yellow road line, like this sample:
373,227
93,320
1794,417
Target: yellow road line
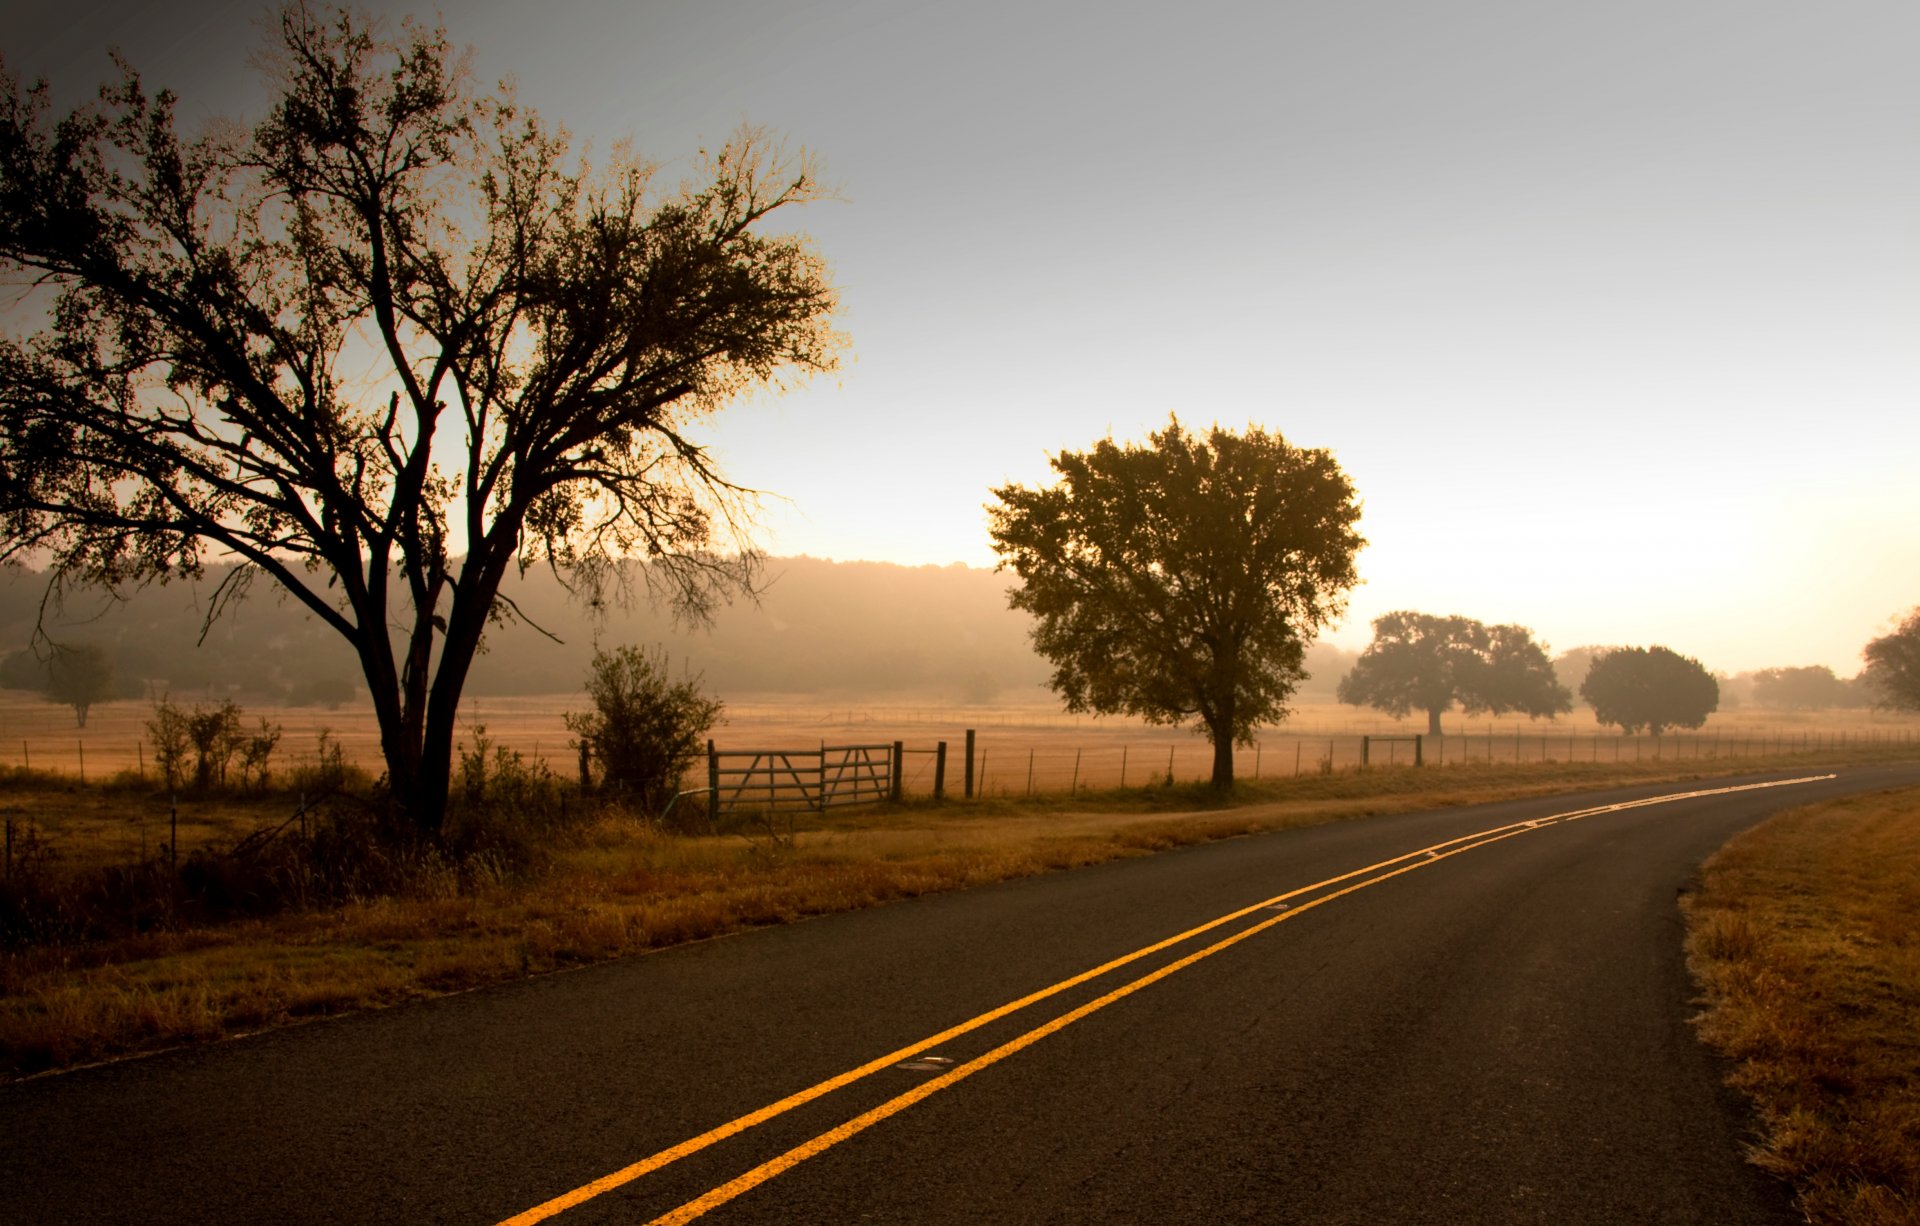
827,1140
1423,856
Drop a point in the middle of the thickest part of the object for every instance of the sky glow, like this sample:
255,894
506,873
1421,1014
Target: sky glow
1609,311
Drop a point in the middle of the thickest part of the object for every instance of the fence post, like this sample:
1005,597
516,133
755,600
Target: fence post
713,787
1419,749
969,764
940,770
899,769
1169,766
1366,750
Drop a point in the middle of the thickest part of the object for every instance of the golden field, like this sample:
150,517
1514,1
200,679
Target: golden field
1021,748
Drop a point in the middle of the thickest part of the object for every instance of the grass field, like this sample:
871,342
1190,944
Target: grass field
1021,749
1805,938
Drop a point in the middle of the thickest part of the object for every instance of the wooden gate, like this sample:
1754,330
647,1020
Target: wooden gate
777,780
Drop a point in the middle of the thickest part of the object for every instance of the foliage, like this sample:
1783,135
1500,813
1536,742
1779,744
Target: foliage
644,730
1420,662
78,676
1893,665
1812,688
1183,577
1570,666
213,736
75,675
383,348
1650,687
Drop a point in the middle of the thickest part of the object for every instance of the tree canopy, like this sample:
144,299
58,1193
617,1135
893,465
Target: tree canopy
1420,662
78,675
1182,578
1893,664
390,343
1813,687
1650,687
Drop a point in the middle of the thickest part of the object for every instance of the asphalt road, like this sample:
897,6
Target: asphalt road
1472,1015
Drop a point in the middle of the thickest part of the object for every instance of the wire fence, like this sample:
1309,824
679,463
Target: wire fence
1019,751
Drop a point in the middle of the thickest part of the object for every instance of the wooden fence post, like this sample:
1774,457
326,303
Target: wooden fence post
899,769
713,786
969,795
940,770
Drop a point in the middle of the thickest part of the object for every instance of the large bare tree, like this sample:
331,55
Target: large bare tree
392,341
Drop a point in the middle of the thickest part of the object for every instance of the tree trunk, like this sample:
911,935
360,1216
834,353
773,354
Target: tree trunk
1223,761
1433,720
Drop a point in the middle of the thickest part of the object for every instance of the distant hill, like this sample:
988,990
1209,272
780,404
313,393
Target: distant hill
823,629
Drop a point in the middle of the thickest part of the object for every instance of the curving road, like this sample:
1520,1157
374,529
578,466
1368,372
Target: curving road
1465,1015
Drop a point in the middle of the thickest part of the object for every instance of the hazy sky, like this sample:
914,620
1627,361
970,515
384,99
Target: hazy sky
1609,309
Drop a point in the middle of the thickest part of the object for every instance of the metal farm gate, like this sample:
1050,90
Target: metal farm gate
776,780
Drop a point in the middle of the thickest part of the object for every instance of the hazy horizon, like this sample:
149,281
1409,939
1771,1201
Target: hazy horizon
1607,311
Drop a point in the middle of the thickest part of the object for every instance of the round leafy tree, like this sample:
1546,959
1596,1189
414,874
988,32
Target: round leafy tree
1182,578
1420,662
1651,688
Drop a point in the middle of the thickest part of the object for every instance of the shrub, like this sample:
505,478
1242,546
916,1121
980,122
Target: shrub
644,731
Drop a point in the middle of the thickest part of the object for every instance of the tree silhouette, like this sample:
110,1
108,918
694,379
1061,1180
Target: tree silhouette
1893,664
1182,578
1420,662
383,348
1650,687
78,676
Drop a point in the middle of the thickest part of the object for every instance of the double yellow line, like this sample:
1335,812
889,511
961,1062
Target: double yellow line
1357,879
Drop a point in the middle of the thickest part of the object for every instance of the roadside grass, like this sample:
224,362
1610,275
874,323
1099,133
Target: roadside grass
1805,940
605,885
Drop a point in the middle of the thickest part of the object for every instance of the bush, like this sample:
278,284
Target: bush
644,731
213,735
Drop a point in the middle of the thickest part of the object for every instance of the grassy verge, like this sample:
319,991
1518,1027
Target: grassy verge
1805,939
610,887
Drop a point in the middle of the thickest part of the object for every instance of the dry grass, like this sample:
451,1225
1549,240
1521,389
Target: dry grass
614,886
1805,939
1060,749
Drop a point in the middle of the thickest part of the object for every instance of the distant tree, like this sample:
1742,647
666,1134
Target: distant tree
1182,577
23,670
645,729
1650,687
1811,688
79,676
1893,665
388,346
1571,666
1420,662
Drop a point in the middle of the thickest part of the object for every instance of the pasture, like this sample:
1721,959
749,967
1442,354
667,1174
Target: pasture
1021,748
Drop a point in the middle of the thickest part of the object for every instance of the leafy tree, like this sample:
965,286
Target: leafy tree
644,730
1183,577
1570,666
382,349
23,670
1814,688
1651,688
1893,665
1420,662
79,676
